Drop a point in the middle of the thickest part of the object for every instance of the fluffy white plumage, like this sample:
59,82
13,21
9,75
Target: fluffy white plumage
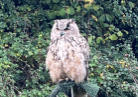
68,53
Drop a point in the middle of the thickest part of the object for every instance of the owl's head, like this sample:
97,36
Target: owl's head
64,27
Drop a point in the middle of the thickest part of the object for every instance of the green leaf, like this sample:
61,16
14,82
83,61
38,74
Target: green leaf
36,51
18,29
106,25
62,12
95,57
55,1
109,18
87,6
131,4
113,37
123,2
71,11
6,66
102,18
30,53
112,27
99,39
96,7
119,33
126,31
92,64
78,9
48,1
52,15
28,8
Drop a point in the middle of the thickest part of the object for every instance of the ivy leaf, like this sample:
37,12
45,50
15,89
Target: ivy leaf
102,18
62,12
113,37
119,33
55,1
89,1
52,15
28,8
87,6
71,11
109,18
96,7
126,31
94,17
99,39
112,27
36,51
30,53
123,2
18,29
78,9
106,25
131,4
48,1
92,64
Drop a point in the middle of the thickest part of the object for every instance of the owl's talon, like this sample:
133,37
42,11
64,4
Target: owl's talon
66,79
71,79
60,80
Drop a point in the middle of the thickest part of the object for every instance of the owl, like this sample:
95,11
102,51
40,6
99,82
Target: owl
68,53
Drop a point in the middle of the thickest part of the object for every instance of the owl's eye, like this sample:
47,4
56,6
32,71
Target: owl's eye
68,27
57,28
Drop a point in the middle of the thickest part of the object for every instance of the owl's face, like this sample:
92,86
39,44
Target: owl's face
63,28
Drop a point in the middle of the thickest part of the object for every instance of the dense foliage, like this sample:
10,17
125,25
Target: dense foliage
110,26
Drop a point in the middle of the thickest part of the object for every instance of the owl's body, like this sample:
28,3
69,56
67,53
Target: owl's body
68,53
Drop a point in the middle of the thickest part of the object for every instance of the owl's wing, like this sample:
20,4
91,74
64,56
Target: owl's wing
83,46
49,54
85,50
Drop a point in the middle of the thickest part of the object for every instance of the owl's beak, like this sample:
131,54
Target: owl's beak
62,33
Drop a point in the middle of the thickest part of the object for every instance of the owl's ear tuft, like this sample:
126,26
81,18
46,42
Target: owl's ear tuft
55,21
72,20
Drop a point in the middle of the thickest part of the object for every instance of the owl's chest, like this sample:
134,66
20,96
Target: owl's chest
65,48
